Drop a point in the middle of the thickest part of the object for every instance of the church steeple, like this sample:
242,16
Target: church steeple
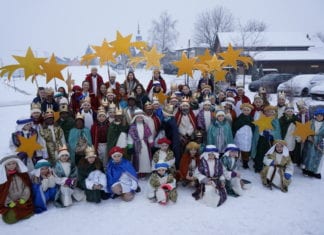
138,36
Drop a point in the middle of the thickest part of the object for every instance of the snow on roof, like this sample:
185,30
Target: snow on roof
270,39
287,55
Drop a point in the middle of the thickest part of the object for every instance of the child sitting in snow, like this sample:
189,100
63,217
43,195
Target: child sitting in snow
278,167
234,183
15,190
164,154
91,177
44,187
162,185
66,177
121,176
210,174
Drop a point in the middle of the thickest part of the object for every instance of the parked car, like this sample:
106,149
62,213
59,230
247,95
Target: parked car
270,82
170,68
317,92
300,85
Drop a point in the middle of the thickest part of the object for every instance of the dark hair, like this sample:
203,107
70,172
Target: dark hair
141,86
83,163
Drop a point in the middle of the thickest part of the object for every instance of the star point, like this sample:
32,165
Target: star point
28,145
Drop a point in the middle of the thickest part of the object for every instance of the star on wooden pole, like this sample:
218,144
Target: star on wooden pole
122,44
28,145
230,56
185,65
303,130
53,70
153,58
105,53
205,57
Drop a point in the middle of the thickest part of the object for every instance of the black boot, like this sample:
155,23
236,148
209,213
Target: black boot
317,176
245,164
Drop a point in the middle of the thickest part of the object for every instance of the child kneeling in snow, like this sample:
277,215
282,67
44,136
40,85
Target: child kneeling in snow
162,185
121,176
66,177
278,167
91,177
15,190
164,154
234,183
210,174
44,187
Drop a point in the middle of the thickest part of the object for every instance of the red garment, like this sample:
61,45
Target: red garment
20,210
99,133
116,91
184,164
150,85
99,82
244,99
256,109
75,102
192,118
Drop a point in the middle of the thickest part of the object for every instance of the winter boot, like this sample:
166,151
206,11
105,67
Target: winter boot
245,164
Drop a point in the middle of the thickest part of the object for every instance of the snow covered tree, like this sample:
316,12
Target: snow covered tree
210,22
320,35
163,32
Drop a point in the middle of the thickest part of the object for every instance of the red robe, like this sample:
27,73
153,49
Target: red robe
150,85
21,211
244,99
99,82
192,118
116,91
99,133
184,165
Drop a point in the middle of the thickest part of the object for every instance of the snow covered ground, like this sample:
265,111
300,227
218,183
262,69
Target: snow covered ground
259,211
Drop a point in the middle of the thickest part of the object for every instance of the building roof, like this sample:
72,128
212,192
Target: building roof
270,39
309,55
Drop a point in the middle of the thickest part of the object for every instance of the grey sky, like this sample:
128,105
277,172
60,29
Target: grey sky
66,27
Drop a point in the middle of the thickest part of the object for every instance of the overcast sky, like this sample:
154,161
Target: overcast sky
66,27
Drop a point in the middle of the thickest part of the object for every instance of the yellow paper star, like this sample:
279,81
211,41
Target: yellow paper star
246,60
205,57
56,116
104,52
28,145
201,67
134,61
122,44
30,64
185,65
53,70
303,130
220,75
214,64
264,123
152,58
161,97
87,58
230,56
140,45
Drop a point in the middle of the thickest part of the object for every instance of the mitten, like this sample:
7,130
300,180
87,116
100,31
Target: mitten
233,174
12,204
22,201
166,187
272,163
287,176
68,182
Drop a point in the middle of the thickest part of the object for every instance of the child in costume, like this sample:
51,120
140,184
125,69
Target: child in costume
44,186
210,174
234,182
91,178
66,178
189,162
162,184
164,154
121,176
278,168
15,190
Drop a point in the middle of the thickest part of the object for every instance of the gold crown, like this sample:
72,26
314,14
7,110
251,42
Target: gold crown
79,116
35,106
64,108
119,111
110,91
101,111
49,113
62,148
173,97
90,152
104,102
131,95
49,91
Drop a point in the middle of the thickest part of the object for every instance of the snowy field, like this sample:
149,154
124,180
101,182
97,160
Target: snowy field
258,211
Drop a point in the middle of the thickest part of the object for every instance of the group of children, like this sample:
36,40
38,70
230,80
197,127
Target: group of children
108,135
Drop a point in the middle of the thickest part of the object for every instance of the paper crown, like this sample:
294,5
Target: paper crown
192,145
64,108
119,112
206,88
63,150
262,90
173,97
110,91
132,96
104,102
90,152
49,113
35,108
49,91
101,111
79,116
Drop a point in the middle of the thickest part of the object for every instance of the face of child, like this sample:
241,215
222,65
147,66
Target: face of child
233,153
206,107
164,147
319,117
110,97
86,106
101,118
279,148
240,92
161,171
139,119
117,157
270,113
139,90
302,109
281,101
246,111
211,156
156,75
64,157
79,123
289,112
258,102
185,90
156,105
91,159
220,118
44,170
12,165
193,152
85,86
27,127
103,89
130,76
35,115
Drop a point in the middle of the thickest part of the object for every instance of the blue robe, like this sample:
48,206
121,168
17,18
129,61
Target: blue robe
215,130
115,170
40,197
74,136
